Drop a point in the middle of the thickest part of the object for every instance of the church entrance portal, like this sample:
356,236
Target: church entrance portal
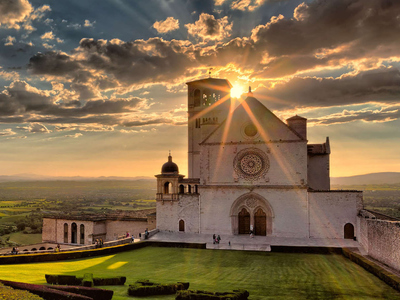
244,222
251,212
349,231
260,222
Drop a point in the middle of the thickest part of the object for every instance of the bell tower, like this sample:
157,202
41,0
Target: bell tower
209,103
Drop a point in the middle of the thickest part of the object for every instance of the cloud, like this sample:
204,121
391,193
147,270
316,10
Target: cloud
14,12
246,4
379,85
7,132
74,136
385,114
48,36
10,40
48,46
209,28
35,128
88,23
170,24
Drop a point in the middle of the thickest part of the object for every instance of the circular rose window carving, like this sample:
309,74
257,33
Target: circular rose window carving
251,163
250,130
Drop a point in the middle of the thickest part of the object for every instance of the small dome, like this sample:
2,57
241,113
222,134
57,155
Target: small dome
170,166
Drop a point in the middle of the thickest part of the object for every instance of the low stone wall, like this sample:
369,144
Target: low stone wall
381,240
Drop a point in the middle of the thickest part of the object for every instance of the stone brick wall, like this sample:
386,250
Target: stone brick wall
331,211
116,229
383,240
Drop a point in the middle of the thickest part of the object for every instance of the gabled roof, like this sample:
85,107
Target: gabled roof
251,111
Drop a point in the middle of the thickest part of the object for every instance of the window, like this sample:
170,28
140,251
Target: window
82,235
65,233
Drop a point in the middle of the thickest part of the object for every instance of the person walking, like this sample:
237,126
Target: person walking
214,238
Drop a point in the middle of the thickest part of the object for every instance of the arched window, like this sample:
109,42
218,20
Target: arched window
42,248
181,189
196,97
167,187
196,189
74,229
189,189
181,225
82,236
349,231
65,233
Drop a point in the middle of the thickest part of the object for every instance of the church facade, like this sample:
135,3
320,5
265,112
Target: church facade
250,172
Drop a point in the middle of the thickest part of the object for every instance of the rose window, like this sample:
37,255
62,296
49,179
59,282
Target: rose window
251,163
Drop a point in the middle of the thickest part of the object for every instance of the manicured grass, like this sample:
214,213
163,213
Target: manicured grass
264,275
24,239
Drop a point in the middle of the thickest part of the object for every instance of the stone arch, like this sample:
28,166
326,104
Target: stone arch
82,234
181,189
349,231
167,187
252,202
74,233
181,225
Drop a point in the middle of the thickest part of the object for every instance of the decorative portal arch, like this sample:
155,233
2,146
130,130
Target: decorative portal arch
349,231
244,221
260,211
181,225
74,229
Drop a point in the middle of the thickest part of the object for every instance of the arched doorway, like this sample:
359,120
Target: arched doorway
260,222
82,234
65,233
349,231
74,230
181,225
244,221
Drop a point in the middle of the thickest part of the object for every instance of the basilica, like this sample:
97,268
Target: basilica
251,172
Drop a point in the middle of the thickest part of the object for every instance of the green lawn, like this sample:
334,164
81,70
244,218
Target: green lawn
264,275
24,239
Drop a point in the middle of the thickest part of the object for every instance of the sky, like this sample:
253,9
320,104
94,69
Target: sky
97,88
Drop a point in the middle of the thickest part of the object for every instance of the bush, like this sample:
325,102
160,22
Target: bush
204,295
95,293
63,279
7,292
87,280
146,288
110,281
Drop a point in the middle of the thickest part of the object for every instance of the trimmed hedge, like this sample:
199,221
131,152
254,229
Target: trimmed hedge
66,255
95,293
63,279
370,266
109,281
7,292
146,288
204,295
87,280
73,280
45,292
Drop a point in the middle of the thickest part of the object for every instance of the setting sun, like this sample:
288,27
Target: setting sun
237,91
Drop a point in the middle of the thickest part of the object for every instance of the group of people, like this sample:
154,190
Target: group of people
14,250
99,243
216,239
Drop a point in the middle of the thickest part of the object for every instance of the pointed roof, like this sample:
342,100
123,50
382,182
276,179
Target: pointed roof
296,117
252,121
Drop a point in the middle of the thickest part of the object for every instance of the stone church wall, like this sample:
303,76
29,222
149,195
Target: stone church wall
289,209
331,211
169,213
218,164
53,230
116,229
49,230
382,240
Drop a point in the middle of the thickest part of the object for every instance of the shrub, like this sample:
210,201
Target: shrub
204,295
63,279
44,291
95,293
7,292
146,288
110,281
87,280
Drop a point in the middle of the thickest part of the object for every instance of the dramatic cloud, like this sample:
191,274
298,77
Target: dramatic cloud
170,24
379,86
9,41
48,36
13,12
246,4
209,28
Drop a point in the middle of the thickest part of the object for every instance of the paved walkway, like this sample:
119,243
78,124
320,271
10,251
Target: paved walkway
245,242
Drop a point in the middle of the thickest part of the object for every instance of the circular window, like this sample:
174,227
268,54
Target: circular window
251,164
250,130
